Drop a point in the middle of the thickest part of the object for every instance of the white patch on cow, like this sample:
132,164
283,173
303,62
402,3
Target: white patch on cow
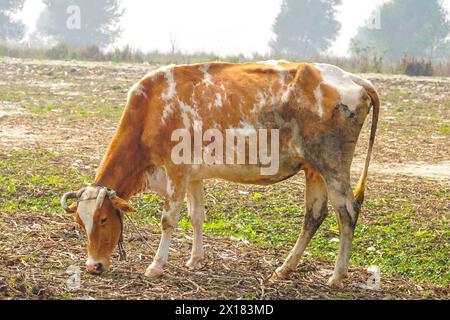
167,111
295,144
186,111
319,98
247,128
287,94
273,99
207,78
225,95
156,181
218,102
171,85
340,80
280,69
92,262
169,188
261,103
241,102
137,89
86,208
273,63
163,69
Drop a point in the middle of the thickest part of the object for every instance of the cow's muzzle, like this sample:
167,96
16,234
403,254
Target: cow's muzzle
95,269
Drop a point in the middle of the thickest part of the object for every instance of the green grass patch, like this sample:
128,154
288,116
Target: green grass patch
445,130
35,181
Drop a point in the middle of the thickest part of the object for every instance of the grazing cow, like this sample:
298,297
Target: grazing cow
315,113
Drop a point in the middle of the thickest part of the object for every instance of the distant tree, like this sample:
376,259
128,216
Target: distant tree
9,29
305,28
416,28
81,23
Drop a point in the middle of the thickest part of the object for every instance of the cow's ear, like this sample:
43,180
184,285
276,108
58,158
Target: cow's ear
73,208
121,204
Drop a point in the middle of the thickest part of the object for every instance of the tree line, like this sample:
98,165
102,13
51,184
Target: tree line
416,28
78,23
303,28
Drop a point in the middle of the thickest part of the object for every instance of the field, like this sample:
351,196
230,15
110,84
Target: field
56,120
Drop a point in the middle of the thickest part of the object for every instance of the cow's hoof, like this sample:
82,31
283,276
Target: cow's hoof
281,274
194,263
154,272
336,283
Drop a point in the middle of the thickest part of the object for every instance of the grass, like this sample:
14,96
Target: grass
445,130
391,233
32,181
48,103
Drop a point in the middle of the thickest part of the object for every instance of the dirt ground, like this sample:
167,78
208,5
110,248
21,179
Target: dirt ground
71,109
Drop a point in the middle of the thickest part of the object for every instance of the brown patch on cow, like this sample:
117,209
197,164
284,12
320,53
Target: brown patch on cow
330,99
307,79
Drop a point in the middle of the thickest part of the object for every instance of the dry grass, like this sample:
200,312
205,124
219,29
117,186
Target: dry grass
38,249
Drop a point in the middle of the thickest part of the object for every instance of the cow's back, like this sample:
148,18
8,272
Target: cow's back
300,100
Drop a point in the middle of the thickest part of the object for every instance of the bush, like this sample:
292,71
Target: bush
91,53
441,69
58,52
366,59
413,67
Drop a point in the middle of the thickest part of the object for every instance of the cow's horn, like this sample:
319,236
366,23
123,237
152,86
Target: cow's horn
67,196
100,198
80,193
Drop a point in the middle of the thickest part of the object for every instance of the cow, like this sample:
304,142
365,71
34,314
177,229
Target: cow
316,112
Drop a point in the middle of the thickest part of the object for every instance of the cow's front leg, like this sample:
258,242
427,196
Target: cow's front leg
172,206
196,210
316,210
347,210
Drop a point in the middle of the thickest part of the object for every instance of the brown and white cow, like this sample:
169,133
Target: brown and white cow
318,111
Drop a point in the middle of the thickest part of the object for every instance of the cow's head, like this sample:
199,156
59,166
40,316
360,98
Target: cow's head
99,212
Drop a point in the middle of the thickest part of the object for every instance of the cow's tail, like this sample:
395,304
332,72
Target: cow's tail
361,187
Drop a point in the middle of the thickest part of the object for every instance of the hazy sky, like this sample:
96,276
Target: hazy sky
220,26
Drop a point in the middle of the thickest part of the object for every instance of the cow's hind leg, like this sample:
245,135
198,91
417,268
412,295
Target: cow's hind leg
176,191
316,210
347,210
196,210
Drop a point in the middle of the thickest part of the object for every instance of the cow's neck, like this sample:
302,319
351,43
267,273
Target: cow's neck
122,168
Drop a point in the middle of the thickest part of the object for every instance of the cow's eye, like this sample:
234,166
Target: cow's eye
103,221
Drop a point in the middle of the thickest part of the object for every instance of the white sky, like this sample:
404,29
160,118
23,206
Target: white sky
219,26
